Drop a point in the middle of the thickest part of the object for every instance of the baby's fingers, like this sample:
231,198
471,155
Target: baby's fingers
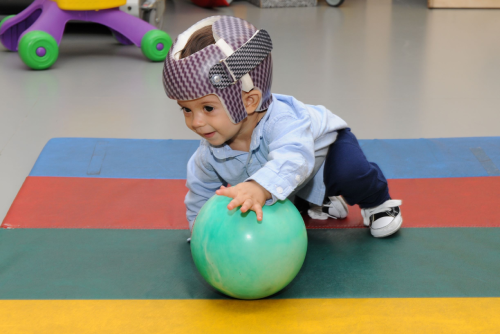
223,191
220,191
247,205
258,210
236,202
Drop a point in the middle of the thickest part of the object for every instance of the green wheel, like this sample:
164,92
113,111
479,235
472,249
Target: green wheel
38,50
155,45
5,19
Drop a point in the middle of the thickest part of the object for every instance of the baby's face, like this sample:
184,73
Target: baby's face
206,116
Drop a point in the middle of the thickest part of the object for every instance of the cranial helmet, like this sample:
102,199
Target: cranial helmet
240,60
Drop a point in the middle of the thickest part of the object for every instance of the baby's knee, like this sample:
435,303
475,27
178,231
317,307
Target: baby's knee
346,172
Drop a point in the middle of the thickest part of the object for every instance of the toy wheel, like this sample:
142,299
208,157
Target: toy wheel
5,19
155,45
38,50
335,3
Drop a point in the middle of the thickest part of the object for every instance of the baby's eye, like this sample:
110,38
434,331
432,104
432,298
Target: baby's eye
208,108
185,109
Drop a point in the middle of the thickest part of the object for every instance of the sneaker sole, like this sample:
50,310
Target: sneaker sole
324,216
315,216
389,229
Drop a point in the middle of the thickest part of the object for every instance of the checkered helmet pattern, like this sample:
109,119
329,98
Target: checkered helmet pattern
242,61
189,79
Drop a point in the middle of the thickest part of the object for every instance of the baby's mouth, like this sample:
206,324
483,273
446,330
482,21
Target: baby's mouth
209,134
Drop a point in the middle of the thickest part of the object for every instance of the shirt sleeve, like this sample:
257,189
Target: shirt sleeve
202,182
290,159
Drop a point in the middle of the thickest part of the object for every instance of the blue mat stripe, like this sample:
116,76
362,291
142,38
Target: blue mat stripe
115,158
167,159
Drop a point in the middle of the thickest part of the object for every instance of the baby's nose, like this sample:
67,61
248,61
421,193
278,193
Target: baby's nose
198,121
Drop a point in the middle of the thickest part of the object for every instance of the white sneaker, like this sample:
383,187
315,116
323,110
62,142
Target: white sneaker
335,208
384,219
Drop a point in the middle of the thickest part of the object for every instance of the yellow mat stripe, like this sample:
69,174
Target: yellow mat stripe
404,315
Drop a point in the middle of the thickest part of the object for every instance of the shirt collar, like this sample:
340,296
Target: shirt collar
224,151
258,132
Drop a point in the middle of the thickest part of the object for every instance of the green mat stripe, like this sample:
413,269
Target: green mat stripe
157,264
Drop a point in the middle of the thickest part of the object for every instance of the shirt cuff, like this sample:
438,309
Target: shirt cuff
279,187
272,200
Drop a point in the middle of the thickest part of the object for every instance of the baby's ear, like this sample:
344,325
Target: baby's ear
251,100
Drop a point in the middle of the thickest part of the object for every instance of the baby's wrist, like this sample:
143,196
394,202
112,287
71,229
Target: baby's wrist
267,194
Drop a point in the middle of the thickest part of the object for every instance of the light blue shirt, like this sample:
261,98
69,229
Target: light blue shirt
286,156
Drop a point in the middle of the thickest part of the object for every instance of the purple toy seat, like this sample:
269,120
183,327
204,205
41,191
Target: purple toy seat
46,17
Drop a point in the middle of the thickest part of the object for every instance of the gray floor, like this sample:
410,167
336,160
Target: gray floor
391,69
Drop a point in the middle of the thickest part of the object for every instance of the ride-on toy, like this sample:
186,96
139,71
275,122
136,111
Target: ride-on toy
37,31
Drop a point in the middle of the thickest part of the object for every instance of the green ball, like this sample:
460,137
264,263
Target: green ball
155,45
38,50
244,258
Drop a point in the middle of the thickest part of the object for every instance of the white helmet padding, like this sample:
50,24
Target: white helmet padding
240,61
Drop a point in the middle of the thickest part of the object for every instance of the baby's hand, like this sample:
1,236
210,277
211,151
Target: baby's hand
250,195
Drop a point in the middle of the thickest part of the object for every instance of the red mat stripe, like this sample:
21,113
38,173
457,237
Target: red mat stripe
72,202
67,202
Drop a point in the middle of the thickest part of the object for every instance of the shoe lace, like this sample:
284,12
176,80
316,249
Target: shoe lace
384,207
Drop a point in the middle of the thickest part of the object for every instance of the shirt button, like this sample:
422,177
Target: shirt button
279,190
297,177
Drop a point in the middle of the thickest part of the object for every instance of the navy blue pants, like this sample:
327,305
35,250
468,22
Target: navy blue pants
348,173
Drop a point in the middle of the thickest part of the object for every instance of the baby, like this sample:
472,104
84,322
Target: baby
269,147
